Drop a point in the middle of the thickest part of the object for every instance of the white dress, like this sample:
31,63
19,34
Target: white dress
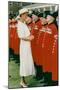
26,60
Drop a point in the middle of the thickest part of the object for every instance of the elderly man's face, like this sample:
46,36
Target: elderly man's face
24,16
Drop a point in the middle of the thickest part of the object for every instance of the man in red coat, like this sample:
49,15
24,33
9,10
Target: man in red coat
12,34
53,49
40,39
16,40
34,26
47,44
11,52
13,39
40,42
37,50
55,58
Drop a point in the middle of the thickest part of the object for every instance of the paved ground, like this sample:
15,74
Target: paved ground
14,77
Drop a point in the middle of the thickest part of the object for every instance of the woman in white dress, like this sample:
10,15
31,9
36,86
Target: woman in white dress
26,60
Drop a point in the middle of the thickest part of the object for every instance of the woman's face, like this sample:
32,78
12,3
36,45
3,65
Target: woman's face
24,16
28,20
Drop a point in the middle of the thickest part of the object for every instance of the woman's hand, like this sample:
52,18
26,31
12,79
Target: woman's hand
29,38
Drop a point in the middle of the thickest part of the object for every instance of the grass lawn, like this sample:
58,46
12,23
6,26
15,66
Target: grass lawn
14,78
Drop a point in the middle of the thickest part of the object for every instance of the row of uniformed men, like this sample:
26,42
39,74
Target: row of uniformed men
45,44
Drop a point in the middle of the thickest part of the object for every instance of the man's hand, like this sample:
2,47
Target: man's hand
56,36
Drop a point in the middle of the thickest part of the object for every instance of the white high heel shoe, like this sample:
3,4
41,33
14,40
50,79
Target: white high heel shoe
23,85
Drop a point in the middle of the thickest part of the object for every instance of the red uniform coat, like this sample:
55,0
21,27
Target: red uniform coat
55,60
16,42
35,50
13,38
11,35
48,43
40,42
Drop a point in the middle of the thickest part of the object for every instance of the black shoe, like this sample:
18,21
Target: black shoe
48,78
16,58
54,83
39,72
